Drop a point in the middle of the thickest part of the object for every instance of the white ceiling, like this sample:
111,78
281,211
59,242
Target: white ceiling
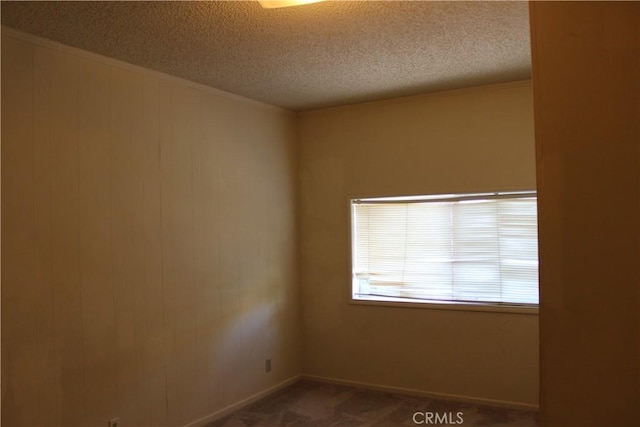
304,57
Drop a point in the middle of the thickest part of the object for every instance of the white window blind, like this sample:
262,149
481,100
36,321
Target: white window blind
480,248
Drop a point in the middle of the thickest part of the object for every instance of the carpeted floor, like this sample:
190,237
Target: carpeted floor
313,404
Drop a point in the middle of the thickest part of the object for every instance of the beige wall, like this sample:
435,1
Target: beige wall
469,140
148,244
586,58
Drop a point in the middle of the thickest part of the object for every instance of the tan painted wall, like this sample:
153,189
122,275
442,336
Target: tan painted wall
586,58
469,140
148,244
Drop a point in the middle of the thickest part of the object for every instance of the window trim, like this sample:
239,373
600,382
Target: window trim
394,302
446,305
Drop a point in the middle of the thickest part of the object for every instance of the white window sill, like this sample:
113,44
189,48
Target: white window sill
443,305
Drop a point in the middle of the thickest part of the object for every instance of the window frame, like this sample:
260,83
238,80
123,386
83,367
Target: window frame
382,301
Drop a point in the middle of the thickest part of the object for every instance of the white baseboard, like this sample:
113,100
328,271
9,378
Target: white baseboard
241,404
420,393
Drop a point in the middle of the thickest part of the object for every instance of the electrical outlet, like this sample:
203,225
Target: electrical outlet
267,365
114,422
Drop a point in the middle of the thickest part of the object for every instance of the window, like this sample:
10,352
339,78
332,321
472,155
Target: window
466,249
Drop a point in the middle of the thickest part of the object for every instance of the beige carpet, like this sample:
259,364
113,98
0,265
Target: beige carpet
313,404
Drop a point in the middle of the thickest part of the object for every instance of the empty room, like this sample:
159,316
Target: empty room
320,213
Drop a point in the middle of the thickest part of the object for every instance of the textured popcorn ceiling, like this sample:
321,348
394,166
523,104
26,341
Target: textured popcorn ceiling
303,57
